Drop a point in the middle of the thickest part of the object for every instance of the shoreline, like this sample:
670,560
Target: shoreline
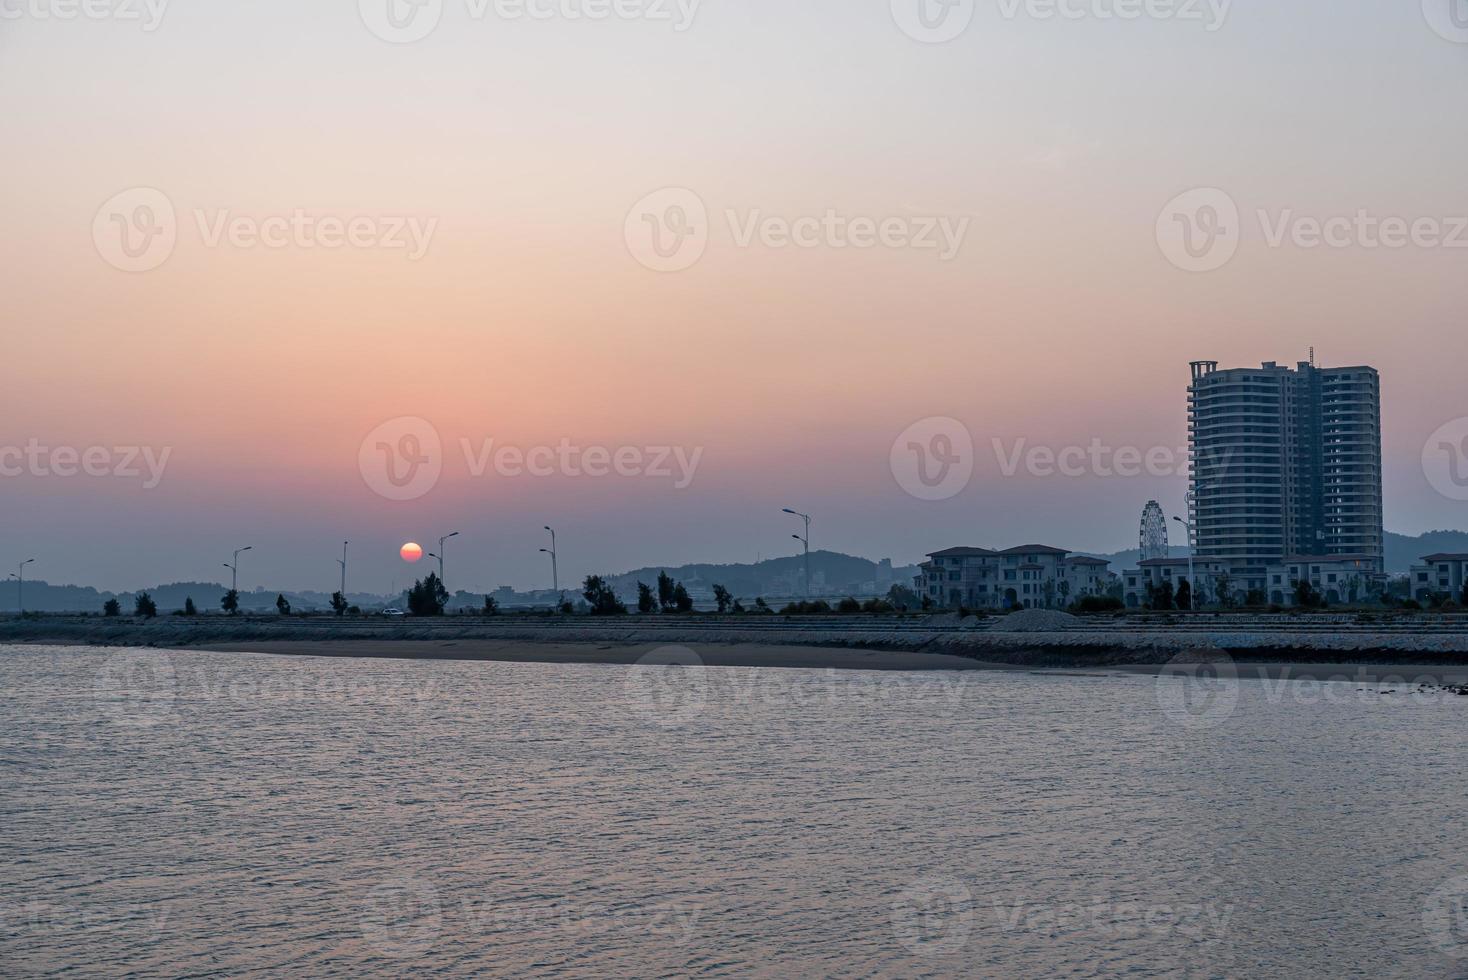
1033,653
780,657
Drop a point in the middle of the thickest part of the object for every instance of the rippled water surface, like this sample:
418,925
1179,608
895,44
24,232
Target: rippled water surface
191,813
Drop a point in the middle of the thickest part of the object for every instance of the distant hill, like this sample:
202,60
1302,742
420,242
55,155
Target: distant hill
831,572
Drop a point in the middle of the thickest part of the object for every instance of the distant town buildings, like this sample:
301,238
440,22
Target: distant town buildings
1286,462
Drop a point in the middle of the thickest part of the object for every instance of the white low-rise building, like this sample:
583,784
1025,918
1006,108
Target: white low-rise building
1337,578
1140,583
1444,574
1032,576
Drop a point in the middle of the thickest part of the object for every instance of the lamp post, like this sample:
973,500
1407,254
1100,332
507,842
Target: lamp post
1192,546
555,571
234,569
805,541
343,564
439,556
19,577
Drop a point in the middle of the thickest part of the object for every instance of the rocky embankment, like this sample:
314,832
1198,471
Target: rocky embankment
1039,638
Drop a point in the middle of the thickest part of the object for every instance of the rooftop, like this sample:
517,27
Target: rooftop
1445,557
964,553
1029,549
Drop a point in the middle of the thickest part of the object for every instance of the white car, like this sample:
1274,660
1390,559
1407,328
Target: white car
392,611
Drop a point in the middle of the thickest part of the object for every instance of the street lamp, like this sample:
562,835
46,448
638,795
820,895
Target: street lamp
343,564
1192,546
234,569
805,541
555,571
439,556
19,577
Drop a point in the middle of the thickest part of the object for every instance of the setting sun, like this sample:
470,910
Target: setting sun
411,552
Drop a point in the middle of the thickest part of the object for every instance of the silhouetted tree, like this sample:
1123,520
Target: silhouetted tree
338,603
112,608
1255,597
646,601
1307,596
144,606
282,606
1184,597
491,606
760,605
1159,597
601,598
902,597
189,608
722,598
848,606
1224,586
682,601
231,602
428,597
665,591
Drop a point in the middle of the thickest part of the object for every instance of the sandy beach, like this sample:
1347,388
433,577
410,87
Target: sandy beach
818,658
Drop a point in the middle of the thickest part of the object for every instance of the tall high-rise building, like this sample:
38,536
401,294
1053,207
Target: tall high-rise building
1286,463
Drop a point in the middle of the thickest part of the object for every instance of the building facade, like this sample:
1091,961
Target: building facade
1032,576
1440,575
1138,584
1338,578
1285,462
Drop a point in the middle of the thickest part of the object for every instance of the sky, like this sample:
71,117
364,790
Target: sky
747,253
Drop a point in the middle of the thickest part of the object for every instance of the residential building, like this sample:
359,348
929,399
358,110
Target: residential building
1285,462
1030,576
1338,578
1138,584
1440,575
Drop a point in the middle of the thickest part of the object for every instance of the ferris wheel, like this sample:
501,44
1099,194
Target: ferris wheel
1153,539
